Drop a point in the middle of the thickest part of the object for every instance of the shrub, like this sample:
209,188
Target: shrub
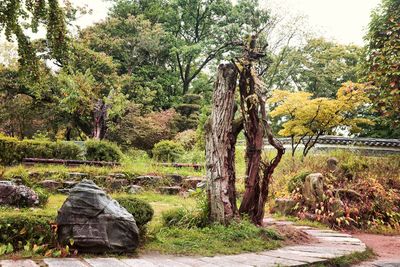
167,150
141,210
42,194
144,131
12,150
18,229
187,139
102,151
297,181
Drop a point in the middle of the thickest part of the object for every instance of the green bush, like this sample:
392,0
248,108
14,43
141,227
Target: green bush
12,150
102,151
187,139
297,181
140,209
18,229
167,150
42,194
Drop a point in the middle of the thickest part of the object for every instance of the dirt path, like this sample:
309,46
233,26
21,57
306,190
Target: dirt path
387,248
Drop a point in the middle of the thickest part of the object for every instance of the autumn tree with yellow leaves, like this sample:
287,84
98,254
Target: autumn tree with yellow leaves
304,118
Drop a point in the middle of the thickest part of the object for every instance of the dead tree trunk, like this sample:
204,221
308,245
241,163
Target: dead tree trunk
258,170
221,134
99,123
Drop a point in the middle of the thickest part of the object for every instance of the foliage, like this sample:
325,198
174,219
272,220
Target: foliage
14,150
381,67
363,193
140,209
297,181
43,195
187,139
46,13
102,151
167,150
318,67
305,118
143,132
238,237
24,229
189,218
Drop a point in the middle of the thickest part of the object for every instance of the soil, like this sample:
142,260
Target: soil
386,247
293,236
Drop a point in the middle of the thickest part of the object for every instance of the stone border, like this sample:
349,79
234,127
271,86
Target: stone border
330,244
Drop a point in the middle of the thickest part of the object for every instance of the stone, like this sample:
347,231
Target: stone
313,188
105,262
117,175
64,191
96,222
17,195
284,206
191,182
148,180
332,164
117,184
34,175
134,189
176,179
18,263
69,184
78,175
201,185
50,184
170,190
64,262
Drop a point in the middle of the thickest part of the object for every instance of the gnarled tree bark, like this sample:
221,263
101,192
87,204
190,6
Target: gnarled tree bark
221,134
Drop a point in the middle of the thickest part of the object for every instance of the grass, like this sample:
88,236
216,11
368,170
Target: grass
213,240
348,260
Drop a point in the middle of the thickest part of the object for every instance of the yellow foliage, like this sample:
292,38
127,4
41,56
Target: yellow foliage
307,116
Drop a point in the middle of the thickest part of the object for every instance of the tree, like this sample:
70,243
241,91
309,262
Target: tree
306,118
382,67
141,52
222,131
221,136
41,13
319,67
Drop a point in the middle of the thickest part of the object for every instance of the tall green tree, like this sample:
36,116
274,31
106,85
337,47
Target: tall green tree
382,65
319,67
16,16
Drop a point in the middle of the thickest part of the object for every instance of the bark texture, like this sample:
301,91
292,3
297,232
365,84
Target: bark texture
221,133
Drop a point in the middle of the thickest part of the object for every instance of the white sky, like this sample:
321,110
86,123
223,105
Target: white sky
342,20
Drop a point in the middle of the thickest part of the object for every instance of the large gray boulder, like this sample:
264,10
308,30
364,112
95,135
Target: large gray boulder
17,195
95,222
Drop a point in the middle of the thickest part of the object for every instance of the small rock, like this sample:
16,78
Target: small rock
134,189
170,190
117,175
69,184
117,184
191,182
50,184
332,164
176,178
201,185
284,206
34,175
64,191
148,180
17,195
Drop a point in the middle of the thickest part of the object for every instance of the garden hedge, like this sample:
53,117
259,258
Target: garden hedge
12,150
140,209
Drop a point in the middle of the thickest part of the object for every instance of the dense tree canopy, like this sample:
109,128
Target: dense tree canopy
382,66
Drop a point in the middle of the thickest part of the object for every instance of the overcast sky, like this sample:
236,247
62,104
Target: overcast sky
342,20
